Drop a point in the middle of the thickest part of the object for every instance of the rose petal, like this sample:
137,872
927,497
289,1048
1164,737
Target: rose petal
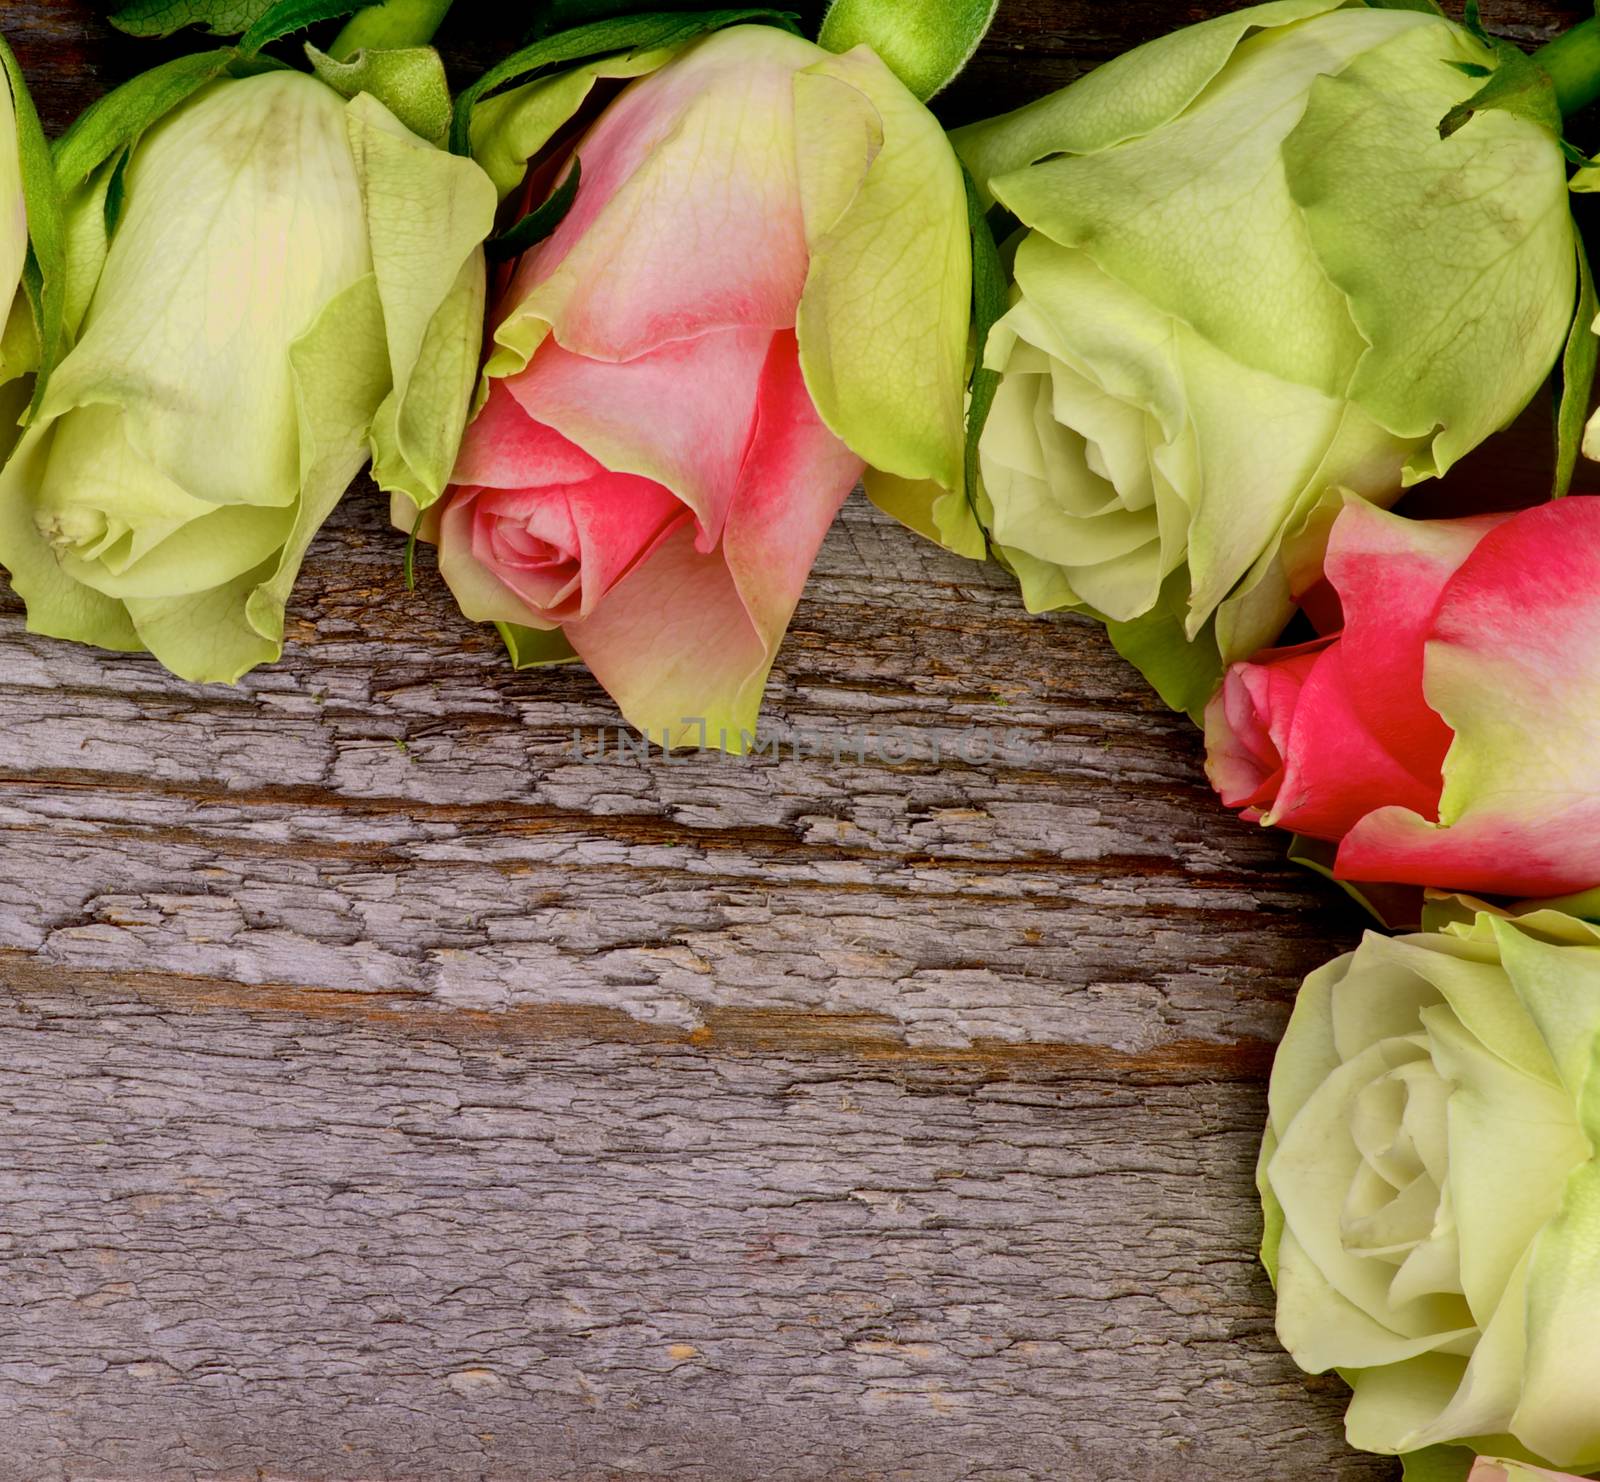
505,448
1508,669
688,215
688,638
680,415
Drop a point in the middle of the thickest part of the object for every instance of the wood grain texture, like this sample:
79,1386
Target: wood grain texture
390,1093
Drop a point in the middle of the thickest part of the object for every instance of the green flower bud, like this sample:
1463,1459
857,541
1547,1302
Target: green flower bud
1252,275
291,284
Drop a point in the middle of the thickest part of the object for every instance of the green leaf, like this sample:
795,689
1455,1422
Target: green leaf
1437,1464
535,648
633,33
1518,85
163,17
990,299
561,15
1184,673
540,222
45,275
289,16
1577,376
408,81
924,42
1428,7
115,121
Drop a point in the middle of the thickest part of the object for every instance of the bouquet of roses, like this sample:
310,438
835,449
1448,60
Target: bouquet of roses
619,328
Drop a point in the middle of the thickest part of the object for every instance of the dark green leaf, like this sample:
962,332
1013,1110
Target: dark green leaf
1474,23
1577,378
163,17
116,193
45,277
603,38
1518,85
1428,6
990,300
560,15
289,16
539,223
1472,69
115,121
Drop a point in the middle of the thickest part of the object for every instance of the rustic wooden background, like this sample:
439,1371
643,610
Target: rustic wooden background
387,1095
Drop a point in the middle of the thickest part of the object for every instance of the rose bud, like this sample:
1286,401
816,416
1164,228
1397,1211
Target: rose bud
1431,1190
762,284
1232,300
291,282
1445,737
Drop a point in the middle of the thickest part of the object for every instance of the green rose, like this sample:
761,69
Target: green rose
276,285
1253,274
1431,1189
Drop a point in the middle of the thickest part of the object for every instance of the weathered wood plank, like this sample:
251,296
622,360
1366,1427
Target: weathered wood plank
391,1093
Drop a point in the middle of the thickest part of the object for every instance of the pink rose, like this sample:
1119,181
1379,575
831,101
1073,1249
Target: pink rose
1446,736
651,473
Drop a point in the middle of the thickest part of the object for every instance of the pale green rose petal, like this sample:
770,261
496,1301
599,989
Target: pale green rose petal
510,128
1512,1141
1560,989
1396,1401
428,213
1161,212
1315,1163
1128,96
1558,1417
1250,483
1379,999
97,487
84,215
243,218
1475,989
885,315
944,517
57,606
1044,586
1324,1329
340,374
226,542
1486,276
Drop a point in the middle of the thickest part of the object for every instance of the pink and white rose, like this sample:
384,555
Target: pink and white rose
761,286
